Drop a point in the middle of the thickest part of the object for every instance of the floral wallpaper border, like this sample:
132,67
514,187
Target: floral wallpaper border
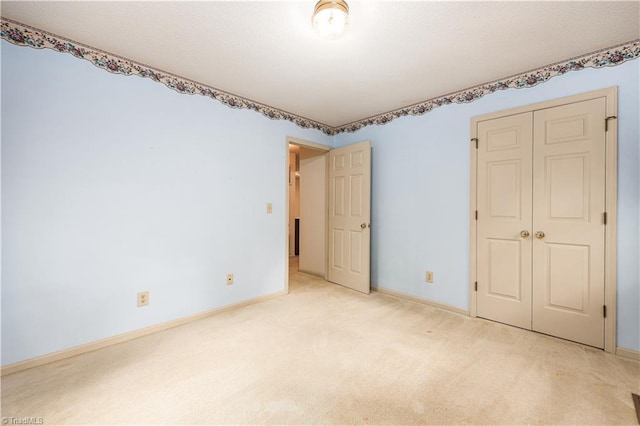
611,56
24,35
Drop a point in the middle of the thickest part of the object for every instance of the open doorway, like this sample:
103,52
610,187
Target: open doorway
307,207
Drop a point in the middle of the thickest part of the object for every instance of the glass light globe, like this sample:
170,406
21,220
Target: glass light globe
330,21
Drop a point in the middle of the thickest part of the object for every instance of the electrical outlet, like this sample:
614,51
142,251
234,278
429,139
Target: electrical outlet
269,208
143,298
229,279
429,277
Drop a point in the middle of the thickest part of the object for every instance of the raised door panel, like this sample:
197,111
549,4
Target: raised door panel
337,249
567,277
504,187
337,196
356,207
567,180
355,256
505,266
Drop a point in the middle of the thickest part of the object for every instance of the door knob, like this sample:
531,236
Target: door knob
363,226
539,235
524,234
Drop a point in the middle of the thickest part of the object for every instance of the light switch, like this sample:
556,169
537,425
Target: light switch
269,208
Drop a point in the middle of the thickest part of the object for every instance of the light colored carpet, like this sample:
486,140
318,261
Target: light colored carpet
327,355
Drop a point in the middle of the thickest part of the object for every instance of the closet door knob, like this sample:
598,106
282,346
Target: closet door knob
524,234
539,235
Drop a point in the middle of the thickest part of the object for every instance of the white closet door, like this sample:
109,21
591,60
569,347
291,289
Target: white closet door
568,227
504,219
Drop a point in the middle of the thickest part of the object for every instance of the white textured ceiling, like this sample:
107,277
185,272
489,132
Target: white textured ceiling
394,54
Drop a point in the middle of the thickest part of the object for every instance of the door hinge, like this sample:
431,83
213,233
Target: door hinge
475,139
604,218
606,122
476,285
476,214
604,310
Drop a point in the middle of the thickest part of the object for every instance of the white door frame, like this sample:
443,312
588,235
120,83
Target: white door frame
611,202
305,144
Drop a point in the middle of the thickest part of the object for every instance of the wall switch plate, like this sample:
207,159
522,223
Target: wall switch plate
269,208
143,298
229,279
429,277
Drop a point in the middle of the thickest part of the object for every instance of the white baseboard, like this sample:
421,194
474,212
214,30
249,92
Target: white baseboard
99,344
412,298
628,354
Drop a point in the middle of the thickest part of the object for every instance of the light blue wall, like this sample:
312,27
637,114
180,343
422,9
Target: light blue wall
113,185
420,192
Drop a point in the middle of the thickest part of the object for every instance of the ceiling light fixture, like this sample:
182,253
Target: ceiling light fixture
330,18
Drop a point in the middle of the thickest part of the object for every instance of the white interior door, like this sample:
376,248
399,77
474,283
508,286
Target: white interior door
504,219
350,216
569,201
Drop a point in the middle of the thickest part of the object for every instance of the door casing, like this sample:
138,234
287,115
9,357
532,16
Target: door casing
322,148
611,200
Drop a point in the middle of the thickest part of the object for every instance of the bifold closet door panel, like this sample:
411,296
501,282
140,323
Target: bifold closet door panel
504,185
568,228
